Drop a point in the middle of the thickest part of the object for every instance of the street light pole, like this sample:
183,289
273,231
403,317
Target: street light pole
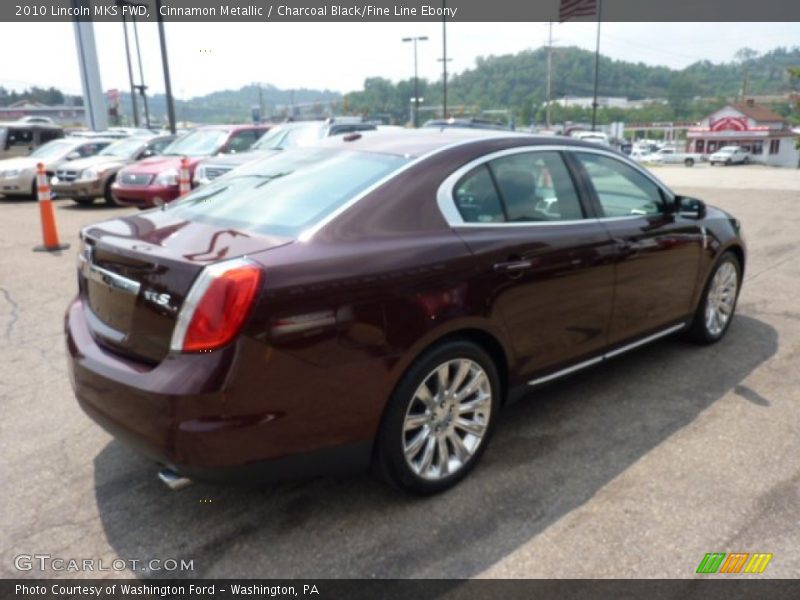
415,39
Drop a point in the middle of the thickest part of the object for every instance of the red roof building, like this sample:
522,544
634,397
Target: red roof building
761,131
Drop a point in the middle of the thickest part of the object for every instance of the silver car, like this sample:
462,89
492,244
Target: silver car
18,175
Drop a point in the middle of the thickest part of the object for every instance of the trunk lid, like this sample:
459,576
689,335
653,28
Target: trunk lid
135,273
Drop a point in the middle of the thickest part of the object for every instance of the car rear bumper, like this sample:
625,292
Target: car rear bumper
184,413
143,196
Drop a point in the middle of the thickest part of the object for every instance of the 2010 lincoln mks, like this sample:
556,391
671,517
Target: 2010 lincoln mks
376,299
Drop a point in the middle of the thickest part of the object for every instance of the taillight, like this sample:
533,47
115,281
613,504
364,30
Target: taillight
216,306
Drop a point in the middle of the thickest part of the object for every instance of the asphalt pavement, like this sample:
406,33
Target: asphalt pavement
633,469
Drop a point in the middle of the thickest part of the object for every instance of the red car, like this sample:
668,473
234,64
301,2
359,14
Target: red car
380,297
154,180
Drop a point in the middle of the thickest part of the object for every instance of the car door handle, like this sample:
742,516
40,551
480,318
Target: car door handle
513,266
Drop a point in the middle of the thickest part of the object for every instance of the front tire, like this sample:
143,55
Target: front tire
108,195
716,309
439,419
689,162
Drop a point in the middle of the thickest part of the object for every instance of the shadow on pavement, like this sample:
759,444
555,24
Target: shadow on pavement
552,452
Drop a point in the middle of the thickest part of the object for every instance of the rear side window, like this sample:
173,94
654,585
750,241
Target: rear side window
285,194
477,199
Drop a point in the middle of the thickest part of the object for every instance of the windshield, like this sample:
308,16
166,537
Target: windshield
123,149
728,150
289,137
285,194
202,142
53,149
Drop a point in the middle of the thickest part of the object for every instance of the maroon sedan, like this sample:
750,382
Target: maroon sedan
378,298
154,181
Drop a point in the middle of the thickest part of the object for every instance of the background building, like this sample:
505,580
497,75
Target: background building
69,116
763,132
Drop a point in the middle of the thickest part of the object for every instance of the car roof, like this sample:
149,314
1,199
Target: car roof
232,128
419,142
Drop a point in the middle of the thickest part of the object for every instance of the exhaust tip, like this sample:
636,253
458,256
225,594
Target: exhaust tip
172,480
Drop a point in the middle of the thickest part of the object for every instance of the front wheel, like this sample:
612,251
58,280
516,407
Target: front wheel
715,312
439,418
689,162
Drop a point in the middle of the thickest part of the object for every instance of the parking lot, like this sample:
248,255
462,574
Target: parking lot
633,469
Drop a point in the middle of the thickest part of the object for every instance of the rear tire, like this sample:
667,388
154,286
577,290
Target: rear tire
439,419
689,162
718,303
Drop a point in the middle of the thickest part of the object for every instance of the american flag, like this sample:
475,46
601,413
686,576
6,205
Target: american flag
569,9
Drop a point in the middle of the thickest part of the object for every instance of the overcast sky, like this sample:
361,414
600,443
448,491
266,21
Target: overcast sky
211,56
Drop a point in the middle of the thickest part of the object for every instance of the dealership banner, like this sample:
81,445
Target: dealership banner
399,10
396,589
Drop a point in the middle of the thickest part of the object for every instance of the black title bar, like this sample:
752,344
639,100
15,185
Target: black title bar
388,11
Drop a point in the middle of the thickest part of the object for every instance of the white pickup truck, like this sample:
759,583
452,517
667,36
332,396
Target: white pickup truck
668,155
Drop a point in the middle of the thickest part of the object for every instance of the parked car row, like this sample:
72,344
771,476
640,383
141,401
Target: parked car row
380,297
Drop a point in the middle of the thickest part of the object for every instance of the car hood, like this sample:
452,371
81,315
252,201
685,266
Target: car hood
98,162
23,162
159,164
235,160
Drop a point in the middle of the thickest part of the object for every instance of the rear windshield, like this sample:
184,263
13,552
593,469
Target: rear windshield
285,194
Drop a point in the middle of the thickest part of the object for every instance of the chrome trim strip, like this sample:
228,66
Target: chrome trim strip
307,234
607,355
447,205
101,275
643,341
566,371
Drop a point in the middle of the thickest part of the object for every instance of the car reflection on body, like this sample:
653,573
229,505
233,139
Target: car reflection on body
377,299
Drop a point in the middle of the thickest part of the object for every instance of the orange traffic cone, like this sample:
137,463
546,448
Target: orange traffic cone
48,218
184,185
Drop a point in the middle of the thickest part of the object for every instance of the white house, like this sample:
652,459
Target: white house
763,132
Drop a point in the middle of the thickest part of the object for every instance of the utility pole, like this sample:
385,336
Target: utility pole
444,60
549,72
165,67
596,65
134,104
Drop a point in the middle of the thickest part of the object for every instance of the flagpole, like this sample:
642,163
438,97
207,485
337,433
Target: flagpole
549,72
596,64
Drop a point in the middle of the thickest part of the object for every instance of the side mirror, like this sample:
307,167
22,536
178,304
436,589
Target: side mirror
73,155
690,208
146,153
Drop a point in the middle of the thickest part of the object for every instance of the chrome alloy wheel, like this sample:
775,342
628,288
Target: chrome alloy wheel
447,419
721,298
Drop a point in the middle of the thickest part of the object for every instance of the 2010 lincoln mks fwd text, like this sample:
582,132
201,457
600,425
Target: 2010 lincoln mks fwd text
376,300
